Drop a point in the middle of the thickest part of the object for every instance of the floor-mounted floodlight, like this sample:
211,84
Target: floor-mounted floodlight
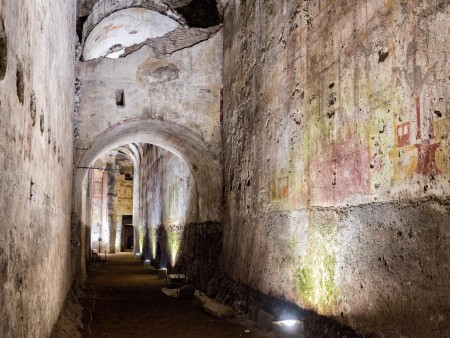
288,329
162,274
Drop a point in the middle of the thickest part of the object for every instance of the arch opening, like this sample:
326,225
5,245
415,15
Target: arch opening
160,213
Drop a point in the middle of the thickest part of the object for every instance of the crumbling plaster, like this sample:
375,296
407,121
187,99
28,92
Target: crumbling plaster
177,87
336,159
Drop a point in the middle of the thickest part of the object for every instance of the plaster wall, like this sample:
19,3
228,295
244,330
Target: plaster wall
336,159
168,202
36,105
124,196
172,234
182,87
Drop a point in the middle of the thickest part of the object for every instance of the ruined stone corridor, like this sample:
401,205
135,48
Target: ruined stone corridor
291,158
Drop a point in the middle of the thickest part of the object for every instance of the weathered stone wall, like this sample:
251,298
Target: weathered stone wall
168,200
181,86
172,235
124,196
36,105
336,163
124,207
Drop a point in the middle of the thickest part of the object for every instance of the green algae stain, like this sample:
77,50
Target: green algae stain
315,274
305,283
173,239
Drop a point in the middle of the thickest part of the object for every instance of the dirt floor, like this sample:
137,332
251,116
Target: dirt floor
125,300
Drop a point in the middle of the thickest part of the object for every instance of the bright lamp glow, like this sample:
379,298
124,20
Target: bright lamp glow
288,328
153,240
290,322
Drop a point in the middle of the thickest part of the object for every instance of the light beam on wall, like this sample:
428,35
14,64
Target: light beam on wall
174,244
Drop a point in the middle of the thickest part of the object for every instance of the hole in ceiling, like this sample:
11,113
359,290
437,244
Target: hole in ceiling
201,13
80,22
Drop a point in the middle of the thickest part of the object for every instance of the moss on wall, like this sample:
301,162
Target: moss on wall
315,275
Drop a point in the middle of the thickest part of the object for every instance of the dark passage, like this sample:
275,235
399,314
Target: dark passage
126,301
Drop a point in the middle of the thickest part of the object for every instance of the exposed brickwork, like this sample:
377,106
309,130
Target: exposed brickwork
176,40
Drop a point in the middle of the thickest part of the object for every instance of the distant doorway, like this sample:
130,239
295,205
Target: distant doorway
127,233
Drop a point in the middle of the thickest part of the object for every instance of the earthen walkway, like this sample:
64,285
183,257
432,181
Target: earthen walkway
126,301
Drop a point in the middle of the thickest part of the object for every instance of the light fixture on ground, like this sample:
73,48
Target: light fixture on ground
147,263
291,328
162,273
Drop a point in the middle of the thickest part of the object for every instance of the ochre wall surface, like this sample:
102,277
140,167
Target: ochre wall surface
36,105
124,197
336,159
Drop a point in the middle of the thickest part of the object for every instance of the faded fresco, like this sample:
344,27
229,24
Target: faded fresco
337,160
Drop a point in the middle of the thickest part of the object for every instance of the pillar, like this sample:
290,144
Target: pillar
112,172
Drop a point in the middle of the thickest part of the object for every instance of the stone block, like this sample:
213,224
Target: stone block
264,320
218,310
162,273
170,292
202,299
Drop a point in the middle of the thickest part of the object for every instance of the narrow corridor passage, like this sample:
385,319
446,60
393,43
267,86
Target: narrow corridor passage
126,301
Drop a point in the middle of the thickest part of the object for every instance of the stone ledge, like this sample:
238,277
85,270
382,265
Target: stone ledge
218,310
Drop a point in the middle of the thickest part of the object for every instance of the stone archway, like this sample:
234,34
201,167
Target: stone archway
175,138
